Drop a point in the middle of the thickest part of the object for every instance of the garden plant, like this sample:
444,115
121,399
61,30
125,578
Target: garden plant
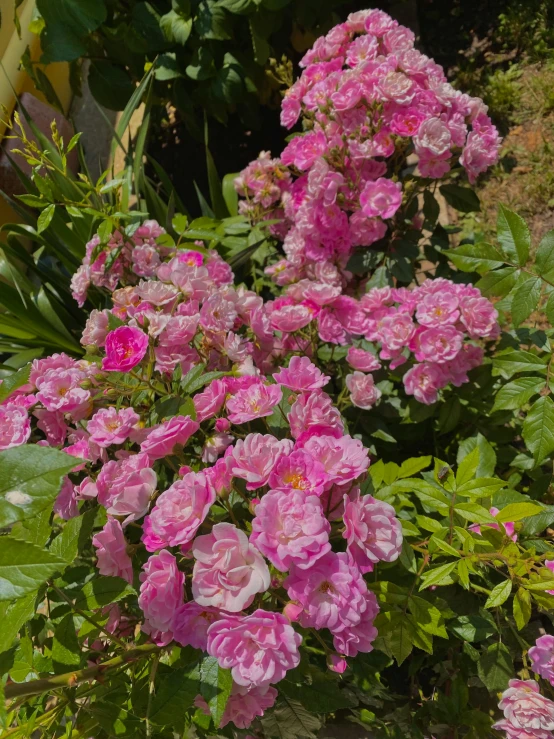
290,463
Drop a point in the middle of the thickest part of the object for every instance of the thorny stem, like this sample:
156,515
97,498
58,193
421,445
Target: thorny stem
70,679
151,691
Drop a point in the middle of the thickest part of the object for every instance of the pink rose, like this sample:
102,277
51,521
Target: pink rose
256,401
96,328
245,704
359,637
126,487
362,360
372,531
181,509
125,347
162,440
253,458
211,400
542,657
60,390
423,381
343,458
228,571
110,426
111,547
161,593
65,505
363,392
526,710
191,623
290,528
299,471
301,375
381,197
15,426
314,409
258,649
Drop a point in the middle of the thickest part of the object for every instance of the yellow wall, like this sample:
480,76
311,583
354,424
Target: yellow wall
14,81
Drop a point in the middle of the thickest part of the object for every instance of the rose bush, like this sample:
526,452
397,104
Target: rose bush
246,510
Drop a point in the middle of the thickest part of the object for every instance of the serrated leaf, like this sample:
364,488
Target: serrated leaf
411,467
544,258
511,362
397,632
101,592
438,575
487,455
481,487
427,616
468,467
495,667
513,235
499,594
517,511
522,608
498,283
516,393
474,513
444,546
318,692
45,218
12,616
74,537
215,687
479,257
538,429
199,382
13,382
525,300
472,628
24,567
289,719
463,199
66,652
175,695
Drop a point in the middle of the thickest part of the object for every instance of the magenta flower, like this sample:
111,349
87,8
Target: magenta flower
258,649
311,410
526,711
542,657
331,592
228,571
254,457
162,440
191,623
256,401
301,375
372,531
211,400
423,381
360,637
298,471
180,510
111,547
161,593
125,347
290,528
110,426
381,197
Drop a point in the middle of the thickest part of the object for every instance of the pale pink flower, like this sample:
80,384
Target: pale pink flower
372,531
363,391
111,551
125,348
161,593
480,317
245,704
179,330
433,136
301,375
291,318
96,328
298,471
253,402
359,638
228,571
191,623
112,426
126,487
146,260
258,649
254,458
526,710
343,458
290,528
542,657
362,360
381,197
215,445
15,426
60,390
181,509
437,309
65,505
331,592
439,345
423,381
52,424
311,410
162,440
210,401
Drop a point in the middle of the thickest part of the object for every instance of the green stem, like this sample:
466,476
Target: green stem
70,679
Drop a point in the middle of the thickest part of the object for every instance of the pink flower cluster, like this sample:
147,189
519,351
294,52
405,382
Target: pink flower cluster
527,713
367,99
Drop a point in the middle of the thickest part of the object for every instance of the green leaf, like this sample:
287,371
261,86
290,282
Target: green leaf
13,615
538,429
429,494
230,195
474,513
479,257
513,235
289,719
212,22
397,633
199,382
318,692
24,567
427,616
544,258
45,218
30,479
444,546
175,695
463,199
499,594
517,511
110,84
13,382
176,27
522,608
498,283
515,394
67,24
410,467
487,455
74,537
468,467
511,362
215,687
526,300
101,592
481,487
495,667
438,575
66,651
549,308
472,628
191,376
